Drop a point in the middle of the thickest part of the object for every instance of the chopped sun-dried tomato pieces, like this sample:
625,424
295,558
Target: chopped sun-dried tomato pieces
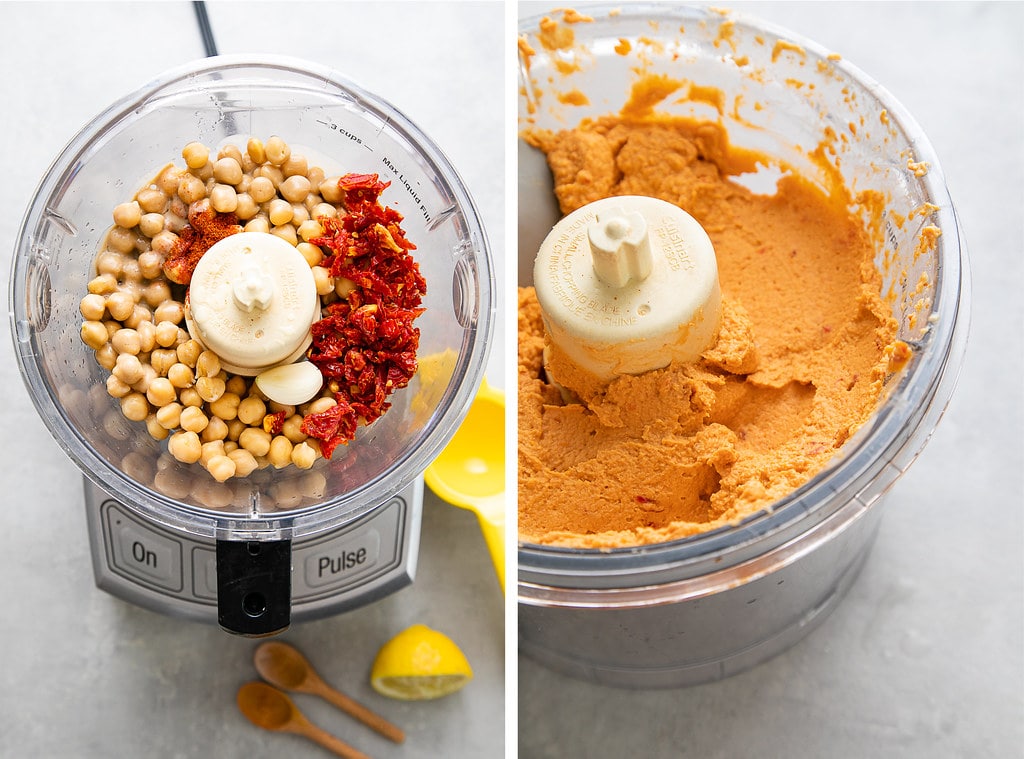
274,423
205,227
366,345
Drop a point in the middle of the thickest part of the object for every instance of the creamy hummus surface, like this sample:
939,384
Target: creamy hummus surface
804,347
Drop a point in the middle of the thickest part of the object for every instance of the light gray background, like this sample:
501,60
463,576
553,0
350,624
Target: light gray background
924,657
85,675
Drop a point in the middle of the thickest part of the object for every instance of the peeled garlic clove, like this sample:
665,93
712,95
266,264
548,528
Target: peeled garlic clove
290,384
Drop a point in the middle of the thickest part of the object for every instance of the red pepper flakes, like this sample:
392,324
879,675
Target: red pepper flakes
205,227
274,423
366,345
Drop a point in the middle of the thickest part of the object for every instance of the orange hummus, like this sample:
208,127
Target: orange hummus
802,354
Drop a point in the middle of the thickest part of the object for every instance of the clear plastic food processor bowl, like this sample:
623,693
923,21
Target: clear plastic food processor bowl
708,606
337,126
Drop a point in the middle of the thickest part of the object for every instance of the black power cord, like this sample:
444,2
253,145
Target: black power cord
209,43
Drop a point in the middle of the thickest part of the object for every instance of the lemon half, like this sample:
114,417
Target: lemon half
418,664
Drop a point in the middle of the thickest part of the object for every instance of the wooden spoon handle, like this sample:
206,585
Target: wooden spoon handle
361,713
329,742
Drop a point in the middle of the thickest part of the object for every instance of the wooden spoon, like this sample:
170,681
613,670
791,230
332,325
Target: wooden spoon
271,709
282,665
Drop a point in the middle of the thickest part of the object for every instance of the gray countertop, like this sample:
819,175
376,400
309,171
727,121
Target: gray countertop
924,657
83,674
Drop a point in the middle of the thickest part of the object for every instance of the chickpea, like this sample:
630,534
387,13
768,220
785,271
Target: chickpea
170,311
303,456
164,241
280,212
229,446
139,315
161,392
188,353
295,165
223,197
231,151
185,447
121,240
162,359
210,389
286,232
251,410
127,215
155,430
271,172
147,336
254,147
106,357
325,210
321,404
292,428
131,271
343,286
314,484
94,334
323,280
221,468
180,376
191,188
115,426
245,462
217,429
93,307
135,407
258,224
310,229
207,364
211,449
330,189
255,440
245,207
310,252
169,416
120,305
112,327
204,172
280,453
235,429
103,284
116,388
110,262
316,175
226,406
189,396
195,154
151,200
148,375
126,341
128,368
295,188
152,224
227,170
151,266
236,384
168,179
275,408
261,189
277,150
193,419
165,333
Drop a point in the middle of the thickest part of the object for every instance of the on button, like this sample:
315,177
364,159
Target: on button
144,553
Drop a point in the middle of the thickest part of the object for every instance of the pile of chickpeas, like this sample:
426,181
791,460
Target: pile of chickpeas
134,314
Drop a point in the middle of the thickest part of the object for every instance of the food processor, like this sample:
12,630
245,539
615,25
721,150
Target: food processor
705,607
282,544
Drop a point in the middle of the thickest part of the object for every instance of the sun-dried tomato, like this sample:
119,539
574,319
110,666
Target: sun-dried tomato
274,423
365,346
205,227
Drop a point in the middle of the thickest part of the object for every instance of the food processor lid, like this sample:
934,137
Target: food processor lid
875,456
460,304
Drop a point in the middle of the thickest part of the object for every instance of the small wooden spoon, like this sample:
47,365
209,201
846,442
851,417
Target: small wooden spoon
282,665
271,709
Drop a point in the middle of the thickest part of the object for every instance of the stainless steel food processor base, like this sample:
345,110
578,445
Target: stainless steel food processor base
174,573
